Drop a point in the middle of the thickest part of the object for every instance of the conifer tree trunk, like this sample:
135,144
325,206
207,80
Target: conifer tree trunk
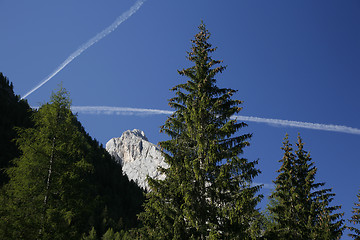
47,189
49,173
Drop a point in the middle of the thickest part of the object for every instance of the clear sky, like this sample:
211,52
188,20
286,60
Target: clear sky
291,60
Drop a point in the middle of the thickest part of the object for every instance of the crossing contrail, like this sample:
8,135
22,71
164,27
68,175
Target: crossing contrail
146,111
89,43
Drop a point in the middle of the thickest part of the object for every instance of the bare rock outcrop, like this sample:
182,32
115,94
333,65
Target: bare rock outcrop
138,156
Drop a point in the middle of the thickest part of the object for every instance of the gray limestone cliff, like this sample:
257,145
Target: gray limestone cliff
137,155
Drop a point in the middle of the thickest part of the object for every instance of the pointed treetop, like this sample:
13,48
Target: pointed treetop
61,97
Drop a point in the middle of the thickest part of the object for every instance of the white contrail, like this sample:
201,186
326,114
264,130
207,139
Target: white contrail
89,43
146,111
118,110
264,185
289,123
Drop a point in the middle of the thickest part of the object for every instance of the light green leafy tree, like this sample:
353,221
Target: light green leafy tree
48,196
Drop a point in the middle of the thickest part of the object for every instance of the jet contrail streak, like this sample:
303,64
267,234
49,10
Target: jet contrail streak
118,110
145,111
289,123
264,185
89,43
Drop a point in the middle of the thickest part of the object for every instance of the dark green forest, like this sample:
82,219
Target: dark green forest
57,182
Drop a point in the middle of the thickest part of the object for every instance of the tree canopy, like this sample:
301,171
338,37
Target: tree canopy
63,183
301,210
207,192
355,220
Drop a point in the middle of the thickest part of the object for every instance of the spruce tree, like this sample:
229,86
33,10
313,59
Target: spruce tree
355,219
300,209
207,192
90,236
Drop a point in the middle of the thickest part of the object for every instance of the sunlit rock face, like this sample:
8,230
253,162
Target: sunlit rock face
138,156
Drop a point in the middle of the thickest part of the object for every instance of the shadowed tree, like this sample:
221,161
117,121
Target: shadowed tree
13,113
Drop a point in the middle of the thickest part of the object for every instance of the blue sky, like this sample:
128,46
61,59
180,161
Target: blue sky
292,60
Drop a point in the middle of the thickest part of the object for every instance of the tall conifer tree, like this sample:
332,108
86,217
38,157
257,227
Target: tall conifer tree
355,219
64,182
207,193
301,210
48,196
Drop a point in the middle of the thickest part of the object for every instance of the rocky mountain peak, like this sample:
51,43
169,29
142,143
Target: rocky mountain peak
135,133
137,155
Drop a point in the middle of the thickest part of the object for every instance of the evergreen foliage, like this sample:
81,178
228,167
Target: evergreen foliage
64,183
120,199
110,235
48,194
300,209
355,219
207,192
14,113
91,236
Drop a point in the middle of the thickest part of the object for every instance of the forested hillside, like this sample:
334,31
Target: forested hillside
62,182
14,113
